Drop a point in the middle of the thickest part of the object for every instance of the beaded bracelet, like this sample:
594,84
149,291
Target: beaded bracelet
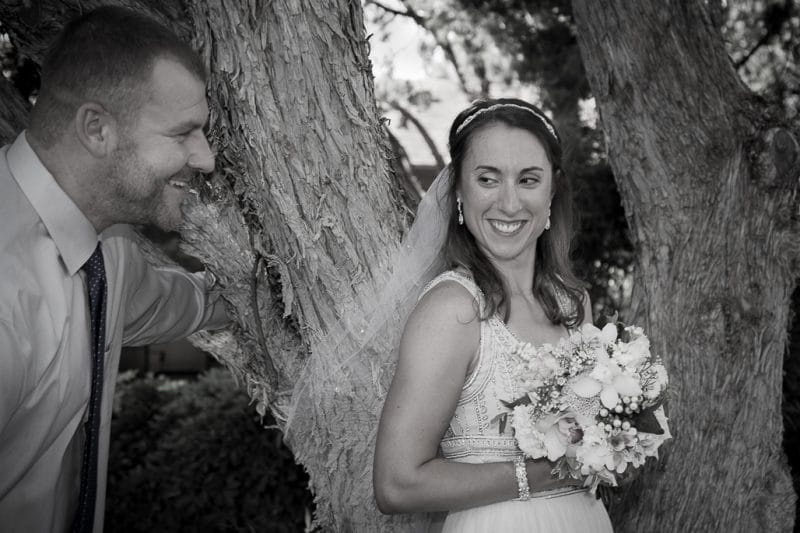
522,479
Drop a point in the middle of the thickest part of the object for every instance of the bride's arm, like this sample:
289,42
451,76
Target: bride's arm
440,340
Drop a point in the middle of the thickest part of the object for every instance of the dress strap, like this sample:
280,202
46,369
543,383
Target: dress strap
462,279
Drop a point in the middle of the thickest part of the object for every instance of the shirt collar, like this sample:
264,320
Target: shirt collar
73,234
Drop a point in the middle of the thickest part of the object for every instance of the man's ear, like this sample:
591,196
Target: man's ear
96,129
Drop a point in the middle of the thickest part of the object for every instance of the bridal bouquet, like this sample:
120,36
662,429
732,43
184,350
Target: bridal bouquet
592,403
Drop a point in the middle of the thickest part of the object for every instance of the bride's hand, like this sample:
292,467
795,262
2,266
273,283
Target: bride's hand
540,477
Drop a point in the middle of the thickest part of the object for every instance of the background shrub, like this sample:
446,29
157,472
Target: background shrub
194,456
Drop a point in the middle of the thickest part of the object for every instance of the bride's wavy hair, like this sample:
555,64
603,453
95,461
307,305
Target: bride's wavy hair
553,279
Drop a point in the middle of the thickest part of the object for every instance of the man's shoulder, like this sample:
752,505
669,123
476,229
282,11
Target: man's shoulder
29,258
119,238
19,219
121,248
127,258
30,263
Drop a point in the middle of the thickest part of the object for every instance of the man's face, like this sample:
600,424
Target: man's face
161,150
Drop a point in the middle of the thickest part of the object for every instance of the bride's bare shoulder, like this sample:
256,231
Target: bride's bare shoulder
449,301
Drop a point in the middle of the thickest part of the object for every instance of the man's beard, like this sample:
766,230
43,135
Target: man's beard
138,195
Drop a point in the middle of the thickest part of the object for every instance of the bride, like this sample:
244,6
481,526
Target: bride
441,446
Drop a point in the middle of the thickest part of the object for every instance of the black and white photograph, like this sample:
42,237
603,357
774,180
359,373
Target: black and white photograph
436,266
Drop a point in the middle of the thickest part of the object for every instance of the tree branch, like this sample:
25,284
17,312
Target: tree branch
408,13
761,42
422,131
774,18
442,41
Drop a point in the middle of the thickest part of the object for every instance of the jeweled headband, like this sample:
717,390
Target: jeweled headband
535,113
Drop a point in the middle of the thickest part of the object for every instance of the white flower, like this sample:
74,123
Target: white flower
560,432
607,335
569,383
537,366
550,363
593,451
621,444
529,439
634,331
602,372
658,381
609,380
634,353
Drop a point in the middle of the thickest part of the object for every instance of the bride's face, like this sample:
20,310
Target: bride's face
505,186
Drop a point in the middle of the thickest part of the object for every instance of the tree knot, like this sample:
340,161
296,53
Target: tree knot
779,159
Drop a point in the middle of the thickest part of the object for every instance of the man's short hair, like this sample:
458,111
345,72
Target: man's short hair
104,56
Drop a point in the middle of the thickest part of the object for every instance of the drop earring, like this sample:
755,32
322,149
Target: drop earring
460,212
547,224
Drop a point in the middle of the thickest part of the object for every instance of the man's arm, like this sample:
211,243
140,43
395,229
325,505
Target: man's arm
162,304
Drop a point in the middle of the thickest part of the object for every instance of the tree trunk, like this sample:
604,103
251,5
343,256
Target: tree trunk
298,221
709,183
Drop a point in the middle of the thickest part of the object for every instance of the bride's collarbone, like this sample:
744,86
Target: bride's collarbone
529,323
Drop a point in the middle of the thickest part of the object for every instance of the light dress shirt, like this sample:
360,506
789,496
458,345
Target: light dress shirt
45,359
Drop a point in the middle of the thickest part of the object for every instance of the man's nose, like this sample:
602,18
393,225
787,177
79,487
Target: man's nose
201,158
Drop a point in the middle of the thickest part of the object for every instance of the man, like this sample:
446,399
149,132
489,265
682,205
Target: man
116,136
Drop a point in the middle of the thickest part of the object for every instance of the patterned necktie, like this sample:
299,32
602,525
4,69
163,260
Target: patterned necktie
96,284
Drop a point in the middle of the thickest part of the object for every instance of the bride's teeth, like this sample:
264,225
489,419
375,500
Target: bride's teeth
506,228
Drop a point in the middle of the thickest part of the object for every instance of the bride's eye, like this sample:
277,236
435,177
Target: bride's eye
530,179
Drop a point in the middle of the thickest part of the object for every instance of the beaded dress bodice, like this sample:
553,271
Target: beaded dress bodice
474,434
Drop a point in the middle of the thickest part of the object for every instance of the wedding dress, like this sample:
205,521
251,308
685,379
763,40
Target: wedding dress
474,436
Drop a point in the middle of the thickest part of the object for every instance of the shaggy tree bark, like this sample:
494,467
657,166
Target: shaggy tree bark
709,181
301,216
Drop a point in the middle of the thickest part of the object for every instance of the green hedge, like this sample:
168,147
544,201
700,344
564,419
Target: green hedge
194,456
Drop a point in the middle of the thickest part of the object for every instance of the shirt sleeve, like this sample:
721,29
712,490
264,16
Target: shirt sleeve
15,351
163,304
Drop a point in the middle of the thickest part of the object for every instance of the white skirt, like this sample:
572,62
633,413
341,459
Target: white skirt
562,512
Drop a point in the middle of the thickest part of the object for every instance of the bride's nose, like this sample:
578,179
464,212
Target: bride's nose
509,198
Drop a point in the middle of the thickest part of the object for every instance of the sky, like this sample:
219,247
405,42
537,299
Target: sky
396,58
